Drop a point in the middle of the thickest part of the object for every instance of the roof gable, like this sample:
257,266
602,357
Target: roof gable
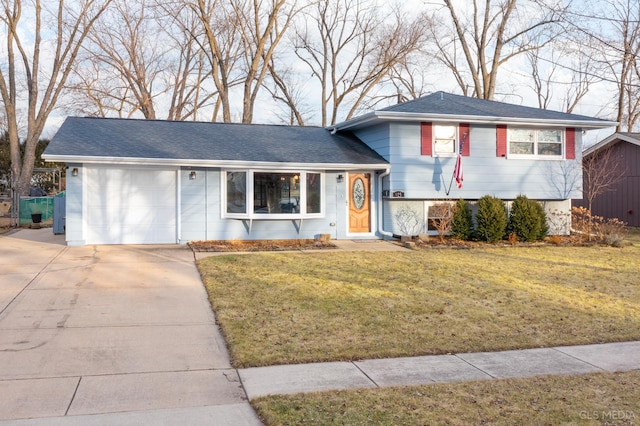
632,138
182,141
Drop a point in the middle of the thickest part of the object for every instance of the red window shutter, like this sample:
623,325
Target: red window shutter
501,140
570,143
426,139
463,129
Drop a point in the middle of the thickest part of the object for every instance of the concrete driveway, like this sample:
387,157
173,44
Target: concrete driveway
110,334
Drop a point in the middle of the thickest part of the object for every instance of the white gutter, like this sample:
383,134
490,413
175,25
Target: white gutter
379,116
381,230
208,163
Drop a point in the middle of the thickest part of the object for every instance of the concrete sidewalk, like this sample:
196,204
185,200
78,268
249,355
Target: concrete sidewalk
568,360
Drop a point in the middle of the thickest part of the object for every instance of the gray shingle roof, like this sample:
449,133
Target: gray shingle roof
450,104
181,140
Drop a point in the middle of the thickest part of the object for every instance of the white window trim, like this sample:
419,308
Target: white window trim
536,156
456,140
250,214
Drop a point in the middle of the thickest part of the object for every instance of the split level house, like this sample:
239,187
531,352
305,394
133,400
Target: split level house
614,164
374,176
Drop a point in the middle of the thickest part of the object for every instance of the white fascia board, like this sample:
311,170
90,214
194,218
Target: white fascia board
610,140
381,116
211,163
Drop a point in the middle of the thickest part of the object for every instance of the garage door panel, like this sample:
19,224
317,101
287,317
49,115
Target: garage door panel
131,206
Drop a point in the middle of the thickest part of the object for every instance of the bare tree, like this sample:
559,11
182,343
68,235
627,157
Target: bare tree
612,29
488,34
286,87
625,64
261,29
128,42
582,79
239,38
187,75
412,77
94,93
542,82
349,49
38,59
560,69
601,170
137,62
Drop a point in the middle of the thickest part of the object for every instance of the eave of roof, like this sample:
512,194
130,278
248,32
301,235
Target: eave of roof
612,139
376,117
176,162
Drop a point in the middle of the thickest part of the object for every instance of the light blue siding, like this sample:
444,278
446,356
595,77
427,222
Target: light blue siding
202,218
74,207
193,205
377,138
427,177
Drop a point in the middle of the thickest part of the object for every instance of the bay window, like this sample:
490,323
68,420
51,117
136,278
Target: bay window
272,195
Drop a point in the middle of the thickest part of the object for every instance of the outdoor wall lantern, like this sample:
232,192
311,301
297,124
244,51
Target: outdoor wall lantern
340,178
192,175
74,171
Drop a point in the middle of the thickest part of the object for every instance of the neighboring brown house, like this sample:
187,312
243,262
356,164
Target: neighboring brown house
621,199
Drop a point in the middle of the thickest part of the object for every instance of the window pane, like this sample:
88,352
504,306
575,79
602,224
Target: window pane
444,146
313,193
549,149
276,193
550,136
236,192
436,214
523,148
444,132
521,135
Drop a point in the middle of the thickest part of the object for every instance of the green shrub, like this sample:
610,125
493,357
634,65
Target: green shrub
527,220
462,223
491,219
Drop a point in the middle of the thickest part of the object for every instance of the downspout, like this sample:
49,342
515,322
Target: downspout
381,230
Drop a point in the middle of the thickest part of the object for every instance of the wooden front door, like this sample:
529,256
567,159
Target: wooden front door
359,202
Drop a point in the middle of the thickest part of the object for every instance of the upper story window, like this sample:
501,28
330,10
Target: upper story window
272,195
545,143
444,139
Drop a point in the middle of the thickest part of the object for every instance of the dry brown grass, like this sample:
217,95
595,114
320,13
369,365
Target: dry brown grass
593,399
295,307
633,236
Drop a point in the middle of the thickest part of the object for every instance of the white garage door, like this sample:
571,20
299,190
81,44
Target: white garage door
130,206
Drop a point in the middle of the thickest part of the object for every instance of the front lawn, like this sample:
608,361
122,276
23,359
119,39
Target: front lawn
591,399
277,308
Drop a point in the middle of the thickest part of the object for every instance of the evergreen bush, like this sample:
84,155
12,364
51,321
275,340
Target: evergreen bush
491,219
527,220
462,223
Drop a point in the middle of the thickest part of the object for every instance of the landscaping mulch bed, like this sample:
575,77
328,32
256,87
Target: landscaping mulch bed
259,245
447,242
